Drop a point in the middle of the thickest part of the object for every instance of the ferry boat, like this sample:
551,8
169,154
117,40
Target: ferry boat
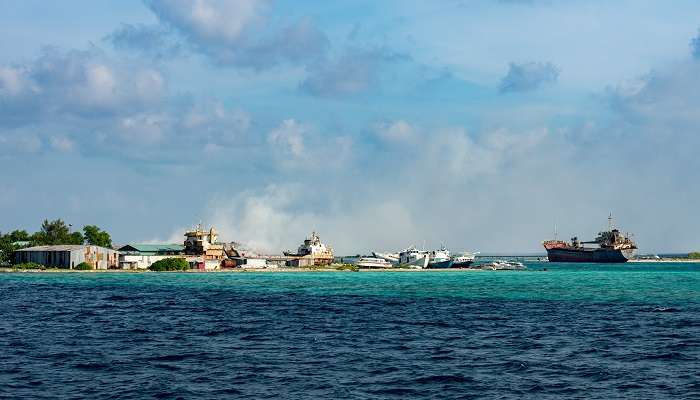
463,260
414,258
440,258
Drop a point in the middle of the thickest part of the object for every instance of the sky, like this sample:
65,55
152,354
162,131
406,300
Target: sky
478,124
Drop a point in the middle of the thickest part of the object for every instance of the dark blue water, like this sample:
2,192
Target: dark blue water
586,333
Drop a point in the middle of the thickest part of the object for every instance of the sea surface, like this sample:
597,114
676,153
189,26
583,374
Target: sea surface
570,331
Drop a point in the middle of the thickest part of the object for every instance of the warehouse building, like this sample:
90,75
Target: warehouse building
68,256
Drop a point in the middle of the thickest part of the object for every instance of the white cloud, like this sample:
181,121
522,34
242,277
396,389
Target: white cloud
290,137
75,83
238,33
210,20
62,143
395,131
12,81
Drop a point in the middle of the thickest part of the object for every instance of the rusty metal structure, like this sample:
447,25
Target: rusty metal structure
200,242
612,247
311,252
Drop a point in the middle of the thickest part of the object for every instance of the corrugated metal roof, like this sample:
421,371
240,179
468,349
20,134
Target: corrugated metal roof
62,247
153,248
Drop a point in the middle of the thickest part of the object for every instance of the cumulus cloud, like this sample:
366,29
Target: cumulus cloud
528,76
396,131
354,71
209,20
75,83
695,46
62,143
290,137
106,104
11,145
149,40
237,32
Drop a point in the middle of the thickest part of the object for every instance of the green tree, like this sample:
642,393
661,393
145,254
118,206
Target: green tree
6,249
97,237
56,232
19,236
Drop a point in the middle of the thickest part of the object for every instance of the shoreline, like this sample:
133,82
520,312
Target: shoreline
9,270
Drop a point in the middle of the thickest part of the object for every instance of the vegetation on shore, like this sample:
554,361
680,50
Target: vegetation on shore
170,264
29,265
695,255
83,266
54,232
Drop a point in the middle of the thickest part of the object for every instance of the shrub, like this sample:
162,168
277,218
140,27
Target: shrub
83,266
694,255
170,264
29,265
347,267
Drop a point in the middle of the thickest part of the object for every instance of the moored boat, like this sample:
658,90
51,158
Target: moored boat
463,260
413,258
613,247
373,262
440,258
504,265
390,257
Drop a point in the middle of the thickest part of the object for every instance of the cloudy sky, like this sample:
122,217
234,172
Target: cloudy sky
475,123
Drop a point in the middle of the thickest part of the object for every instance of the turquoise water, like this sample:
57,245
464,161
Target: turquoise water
542,281
582,331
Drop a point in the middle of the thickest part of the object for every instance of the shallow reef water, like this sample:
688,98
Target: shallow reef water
581,331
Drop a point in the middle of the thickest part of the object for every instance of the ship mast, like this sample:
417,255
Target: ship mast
610,224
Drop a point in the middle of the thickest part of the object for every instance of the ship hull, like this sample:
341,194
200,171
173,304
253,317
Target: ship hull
440,264
589,255
462,264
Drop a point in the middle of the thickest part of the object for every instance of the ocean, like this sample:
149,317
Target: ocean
570,331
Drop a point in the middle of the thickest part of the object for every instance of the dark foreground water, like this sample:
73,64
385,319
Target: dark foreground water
584,332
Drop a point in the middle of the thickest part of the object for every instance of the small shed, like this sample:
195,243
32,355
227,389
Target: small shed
68,256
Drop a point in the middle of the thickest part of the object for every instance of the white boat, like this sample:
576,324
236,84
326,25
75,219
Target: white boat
503,265
373,262
391,257
440,258
463,260
414,258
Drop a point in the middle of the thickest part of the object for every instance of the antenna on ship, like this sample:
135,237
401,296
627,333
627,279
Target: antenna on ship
555,231
610,224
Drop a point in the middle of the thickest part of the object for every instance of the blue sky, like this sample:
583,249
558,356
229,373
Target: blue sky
478,124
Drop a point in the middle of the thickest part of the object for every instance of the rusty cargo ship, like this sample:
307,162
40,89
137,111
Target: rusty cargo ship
612,247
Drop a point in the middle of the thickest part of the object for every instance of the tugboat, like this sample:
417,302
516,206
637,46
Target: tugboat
613,247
